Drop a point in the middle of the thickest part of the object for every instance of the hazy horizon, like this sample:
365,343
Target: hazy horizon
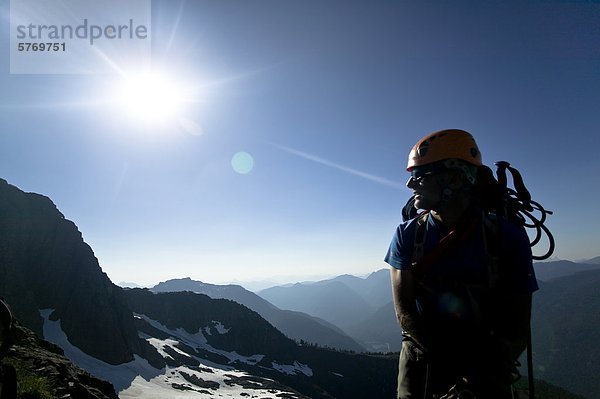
260,284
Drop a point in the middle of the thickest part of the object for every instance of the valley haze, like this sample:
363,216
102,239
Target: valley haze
275,281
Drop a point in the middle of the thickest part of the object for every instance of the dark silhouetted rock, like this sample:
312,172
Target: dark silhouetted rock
45,264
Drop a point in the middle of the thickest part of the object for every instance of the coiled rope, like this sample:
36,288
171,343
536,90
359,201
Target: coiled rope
520,208
514,204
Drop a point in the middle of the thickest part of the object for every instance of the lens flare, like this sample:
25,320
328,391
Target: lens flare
242,163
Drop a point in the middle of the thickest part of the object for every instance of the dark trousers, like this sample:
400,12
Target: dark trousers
421,377
412,372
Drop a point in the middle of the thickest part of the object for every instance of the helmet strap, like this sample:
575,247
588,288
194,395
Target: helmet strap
452,197
446,194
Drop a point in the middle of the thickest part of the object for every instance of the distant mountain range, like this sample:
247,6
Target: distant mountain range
546,271
296,325
352,303
593,261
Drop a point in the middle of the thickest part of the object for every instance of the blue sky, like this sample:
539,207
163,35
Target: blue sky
327,97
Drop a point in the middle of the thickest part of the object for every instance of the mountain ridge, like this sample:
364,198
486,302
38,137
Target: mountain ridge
219,333
322,300
592,261
546,271
296,325
44,263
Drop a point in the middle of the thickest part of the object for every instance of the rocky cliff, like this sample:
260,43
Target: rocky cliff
45,264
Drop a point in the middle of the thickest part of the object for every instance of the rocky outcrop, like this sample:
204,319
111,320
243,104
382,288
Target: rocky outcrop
45,264
43,369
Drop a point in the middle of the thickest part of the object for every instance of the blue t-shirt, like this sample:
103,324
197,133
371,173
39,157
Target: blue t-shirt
453,294
467,262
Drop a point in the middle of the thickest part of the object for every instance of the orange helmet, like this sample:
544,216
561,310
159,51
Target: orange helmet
442,145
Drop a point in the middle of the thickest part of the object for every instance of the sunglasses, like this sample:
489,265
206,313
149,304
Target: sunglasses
417,175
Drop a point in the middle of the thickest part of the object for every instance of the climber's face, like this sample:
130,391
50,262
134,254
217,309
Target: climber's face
426,188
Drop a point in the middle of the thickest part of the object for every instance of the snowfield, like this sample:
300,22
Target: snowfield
138,379
196,341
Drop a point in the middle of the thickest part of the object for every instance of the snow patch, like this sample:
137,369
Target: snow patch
197,341
293,369
160,346
215,383
138,379
220,327
121,376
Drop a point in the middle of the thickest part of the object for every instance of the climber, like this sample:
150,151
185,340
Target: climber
462,278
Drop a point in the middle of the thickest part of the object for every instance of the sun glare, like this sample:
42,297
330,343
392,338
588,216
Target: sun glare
150,97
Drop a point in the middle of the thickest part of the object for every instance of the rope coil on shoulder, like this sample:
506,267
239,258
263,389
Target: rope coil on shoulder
520,208
514,204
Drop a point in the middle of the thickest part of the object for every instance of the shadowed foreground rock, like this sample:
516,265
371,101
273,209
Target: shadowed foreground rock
42,367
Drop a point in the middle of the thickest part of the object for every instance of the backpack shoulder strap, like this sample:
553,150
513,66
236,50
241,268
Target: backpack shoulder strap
490,227
491,242
420,236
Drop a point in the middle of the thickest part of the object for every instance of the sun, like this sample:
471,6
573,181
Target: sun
150,97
